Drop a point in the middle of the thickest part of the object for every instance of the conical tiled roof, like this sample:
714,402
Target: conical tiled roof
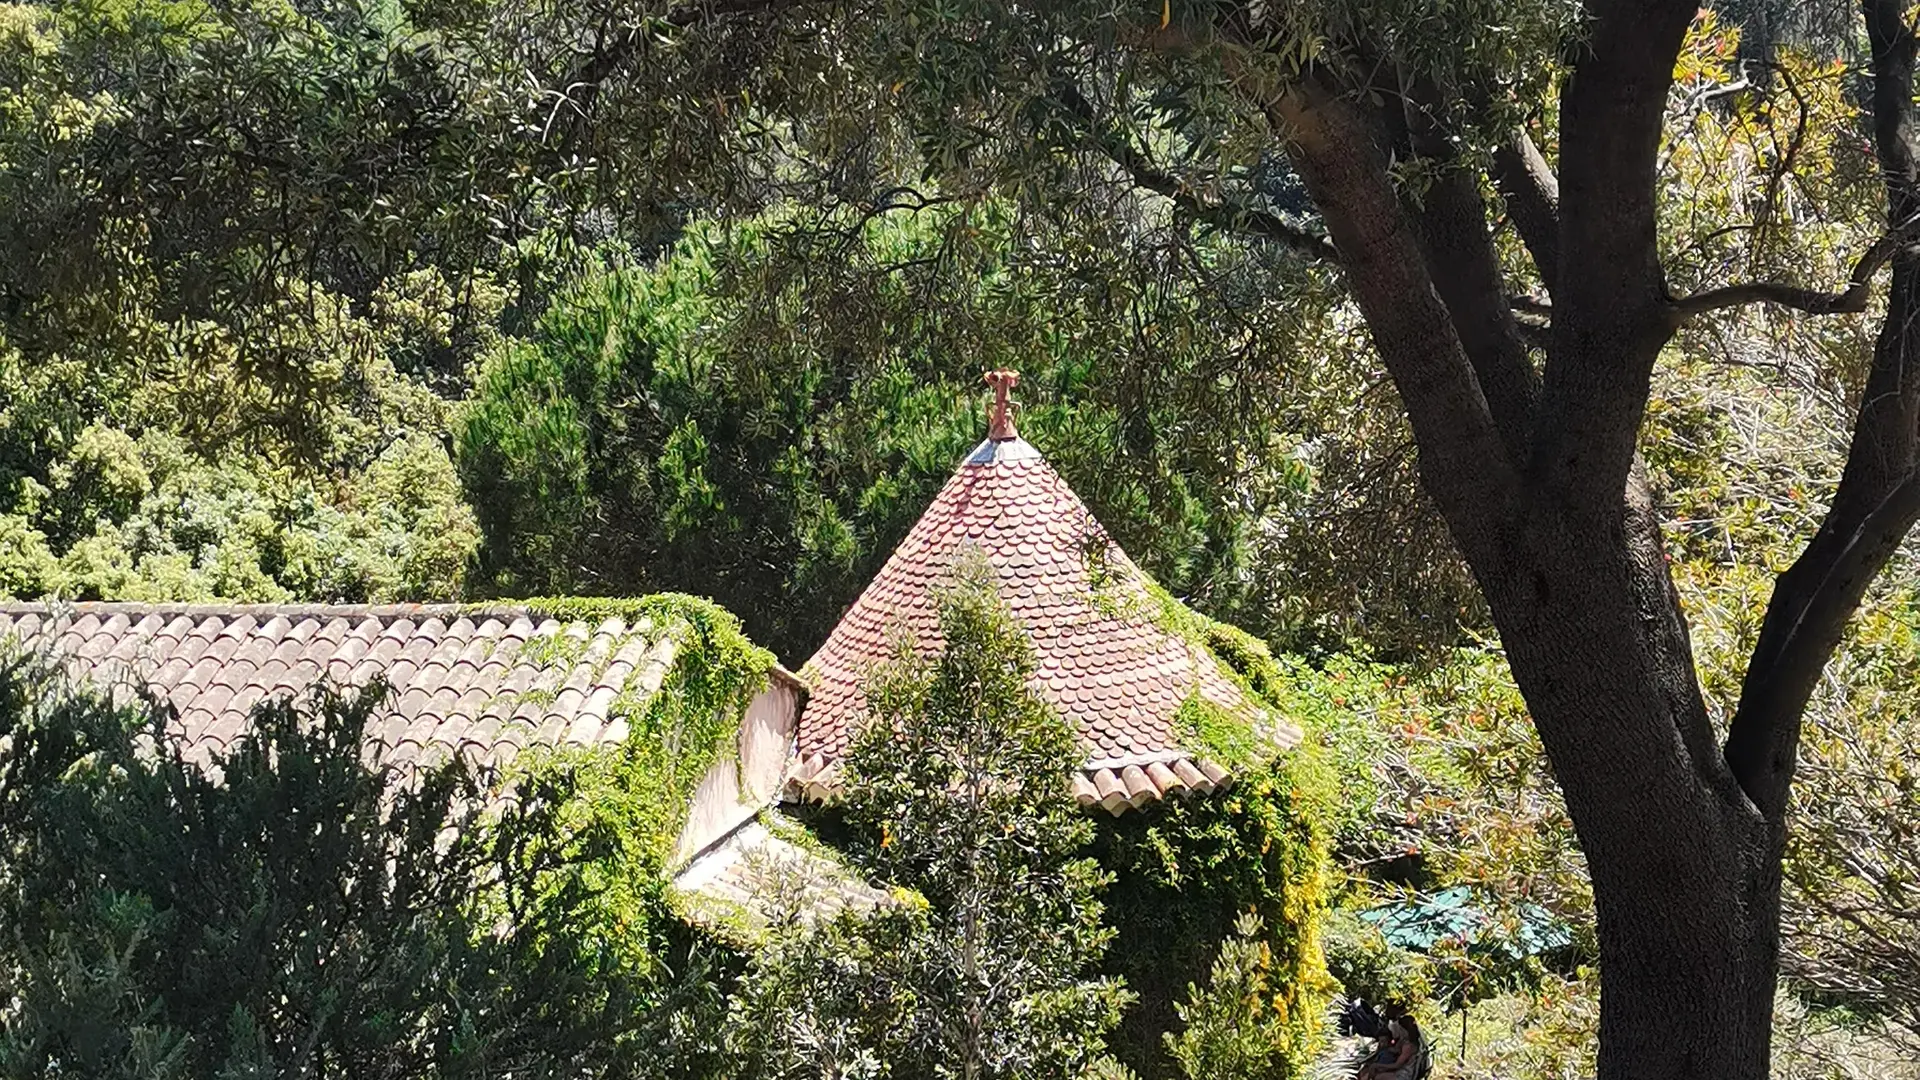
1101,660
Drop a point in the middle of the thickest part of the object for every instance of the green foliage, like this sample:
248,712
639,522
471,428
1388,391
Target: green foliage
144,519
1220,734
27,565
101,478
1186,871
1449,800
1235,1028
1217,733
316,147
958,789
1852,931
283,907
768,414
828,1001
1546,1032
640,790
1366,965
217,387
157,461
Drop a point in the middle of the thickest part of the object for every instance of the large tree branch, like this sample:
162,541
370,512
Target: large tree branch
1610,320
1119,147
1341,155
1222,215
1806,617
1586,494
1532,193
1849,300
1878,499
1450,220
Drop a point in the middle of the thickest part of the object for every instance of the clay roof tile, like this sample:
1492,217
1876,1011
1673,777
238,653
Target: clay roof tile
1101,661
456,677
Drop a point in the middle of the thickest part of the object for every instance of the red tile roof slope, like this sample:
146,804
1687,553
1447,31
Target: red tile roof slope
485,683
1102,662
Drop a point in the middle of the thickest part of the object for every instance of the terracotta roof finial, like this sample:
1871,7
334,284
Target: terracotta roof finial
1000,427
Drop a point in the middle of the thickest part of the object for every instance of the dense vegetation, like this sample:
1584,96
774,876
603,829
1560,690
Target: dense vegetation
287,905
768,420
960,794
284,908
338,301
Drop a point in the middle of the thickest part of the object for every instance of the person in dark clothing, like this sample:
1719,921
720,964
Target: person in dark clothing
1401,1053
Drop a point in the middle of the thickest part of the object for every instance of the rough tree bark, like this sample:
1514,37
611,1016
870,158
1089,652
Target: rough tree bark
1541,489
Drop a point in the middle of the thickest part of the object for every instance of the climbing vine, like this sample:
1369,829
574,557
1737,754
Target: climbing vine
636,794
1187,871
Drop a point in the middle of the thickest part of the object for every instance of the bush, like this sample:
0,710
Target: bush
1187,871
958,793
1235,1026
283,908
1367,966
27,565
155,522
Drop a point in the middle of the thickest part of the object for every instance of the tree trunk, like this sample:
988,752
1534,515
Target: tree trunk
1546,501
1687,962
1685,870
1686,883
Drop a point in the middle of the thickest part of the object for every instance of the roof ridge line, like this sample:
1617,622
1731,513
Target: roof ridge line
1150,757
384,613
294,611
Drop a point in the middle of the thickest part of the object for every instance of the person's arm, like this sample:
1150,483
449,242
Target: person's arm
1400,1059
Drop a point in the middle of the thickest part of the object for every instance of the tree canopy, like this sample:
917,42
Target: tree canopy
1373,327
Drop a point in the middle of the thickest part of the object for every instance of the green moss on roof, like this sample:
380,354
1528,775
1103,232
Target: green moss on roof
1231,737
638,793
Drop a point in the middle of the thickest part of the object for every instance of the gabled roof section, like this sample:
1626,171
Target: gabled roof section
1102,655
483,682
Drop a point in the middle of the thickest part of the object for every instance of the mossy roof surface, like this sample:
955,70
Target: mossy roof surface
1106,656
484,681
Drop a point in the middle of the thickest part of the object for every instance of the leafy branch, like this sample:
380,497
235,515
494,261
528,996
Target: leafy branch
1120,148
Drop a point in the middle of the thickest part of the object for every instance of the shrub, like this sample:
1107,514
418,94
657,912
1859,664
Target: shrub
284,908
959,791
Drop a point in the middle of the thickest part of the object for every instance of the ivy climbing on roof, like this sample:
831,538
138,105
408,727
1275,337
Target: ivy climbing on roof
1186,872
639,791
